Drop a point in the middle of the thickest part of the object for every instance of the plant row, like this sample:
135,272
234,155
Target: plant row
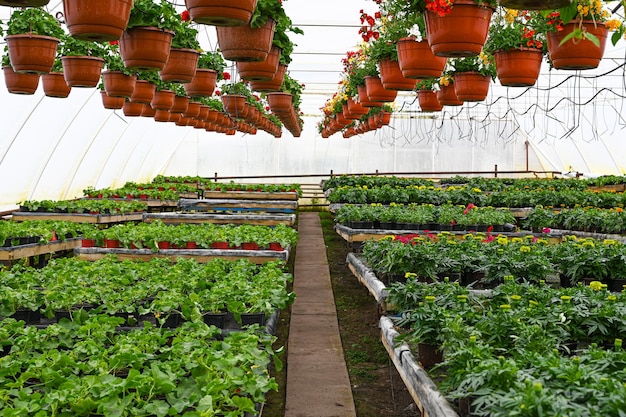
145,191
40,231
88,206
526,350
465,195
85,367
588,219
425,216
491,258
203,236
145,291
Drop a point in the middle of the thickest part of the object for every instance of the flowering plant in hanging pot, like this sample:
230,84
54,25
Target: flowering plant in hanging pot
32,38
18,83
82,61
427,95
209,71
54,84
184,53
472,76
118,81
221,12
103,20
517,47
446,94
146,42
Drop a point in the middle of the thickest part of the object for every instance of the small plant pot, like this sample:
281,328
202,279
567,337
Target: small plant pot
214,319
220,245
164,245
249,246
276,246
248,319
88,243
111,243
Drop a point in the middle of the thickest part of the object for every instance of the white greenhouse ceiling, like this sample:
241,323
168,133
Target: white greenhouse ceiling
53,148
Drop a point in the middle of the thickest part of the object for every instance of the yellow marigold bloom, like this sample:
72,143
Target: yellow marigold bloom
476,190
609,242
516,297
517,240
588,244
505,307
524,249
566,298
429,298
533,303
410,275
502,241
595,285
612,298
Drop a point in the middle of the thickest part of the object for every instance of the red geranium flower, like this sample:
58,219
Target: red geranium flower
185,16
226,75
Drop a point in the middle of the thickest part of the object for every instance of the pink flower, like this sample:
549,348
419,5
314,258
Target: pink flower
546,230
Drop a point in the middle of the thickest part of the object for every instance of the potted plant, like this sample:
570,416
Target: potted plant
235,97
145,86
183,59
517,47
210,70
32,38
24,3
472,76
146,42
427,95
54,84
104,20
82,61
18,83
446,94
221,12
118,81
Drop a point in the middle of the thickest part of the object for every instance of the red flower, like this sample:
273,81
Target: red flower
185,16
217,93
115,42
226,75
468,208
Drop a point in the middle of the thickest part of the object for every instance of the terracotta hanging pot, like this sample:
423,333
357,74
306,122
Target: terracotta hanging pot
33,54
146,48
118,84
82,71
518,67
428,101
111,103
392,78
193,109
221,12
180,104
163,100
364,100
377,92
471,86
577,54
356,108
280,102
18,83
274,84
161,116
262,70
132,109
54,85
243,43
143,92
180,66
348,114
462,32
202,84
447,96
24,3
417,60
147,111
534,4
102,20
235,105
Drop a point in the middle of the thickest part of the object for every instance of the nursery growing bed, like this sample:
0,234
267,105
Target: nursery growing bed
195,218
280,206
14,253
79,217
200,255
251,195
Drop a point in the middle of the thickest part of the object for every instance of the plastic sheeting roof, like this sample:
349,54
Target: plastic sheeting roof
572,121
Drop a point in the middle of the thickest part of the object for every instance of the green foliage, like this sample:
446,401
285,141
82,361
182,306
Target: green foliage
428,84
33,20
71,46
214,61
185,36
161,14
484,64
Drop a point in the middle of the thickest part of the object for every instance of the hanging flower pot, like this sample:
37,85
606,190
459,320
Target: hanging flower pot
356,108
280,102
447,96
161,116
163,100
180,104
202,84
392,78
274,84
376,91
534,4
193,109
417,60
364,99
112,103
118,84
348,114
243,43
518,67
462,32
54,85
221,12
180,66
147,110
18,83
145,48
143,92
262,70
471,86
577,54
24,3
82,71
428,101
102,20
132,109
31,53
235,105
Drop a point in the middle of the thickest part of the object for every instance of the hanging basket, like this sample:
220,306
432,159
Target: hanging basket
235,105
163,100
193,109
364,99
24,3
18,83
180,66
82,71
202,84
180,104
280,102
131,109
101,20
118,84
111,103
377,92
147,111
143,92
462,32
471,86
243,43
221,12
518,67
33,54
447,96
54,85
577,54
262,70
417,60
145,48
534,4
273,85
428,101
392,78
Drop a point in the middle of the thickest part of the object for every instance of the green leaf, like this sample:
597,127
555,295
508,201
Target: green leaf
159,408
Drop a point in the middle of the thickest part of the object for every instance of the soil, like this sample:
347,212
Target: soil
377,388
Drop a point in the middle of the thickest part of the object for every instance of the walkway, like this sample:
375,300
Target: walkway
317,377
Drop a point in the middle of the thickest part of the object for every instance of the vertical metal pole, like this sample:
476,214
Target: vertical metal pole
495,171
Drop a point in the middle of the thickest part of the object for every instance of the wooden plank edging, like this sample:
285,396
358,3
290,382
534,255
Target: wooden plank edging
367,278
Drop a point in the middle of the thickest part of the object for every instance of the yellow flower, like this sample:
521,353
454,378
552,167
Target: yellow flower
429,298
566,298
516,297
524,249
595,285
505,307
517,240
502,241
410,275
